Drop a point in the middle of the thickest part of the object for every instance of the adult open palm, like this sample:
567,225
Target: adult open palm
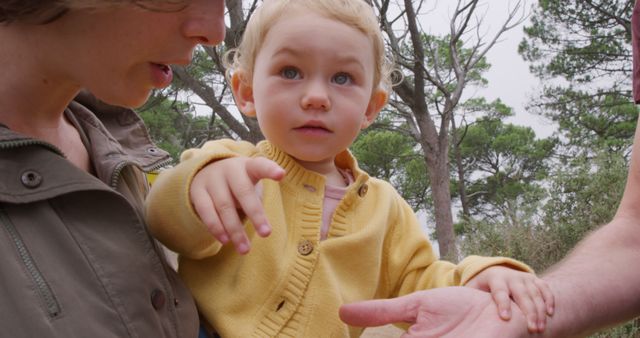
443,312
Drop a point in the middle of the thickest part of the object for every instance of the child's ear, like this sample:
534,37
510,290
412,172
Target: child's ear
243,93
378,100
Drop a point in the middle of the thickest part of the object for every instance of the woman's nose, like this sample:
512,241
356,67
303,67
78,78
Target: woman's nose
205,22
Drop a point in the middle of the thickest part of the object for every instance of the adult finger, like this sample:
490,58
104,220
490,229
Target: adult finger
381,311
417,333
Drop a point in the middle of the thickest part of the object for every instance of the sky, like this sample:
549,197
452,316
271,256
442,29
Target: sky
509,77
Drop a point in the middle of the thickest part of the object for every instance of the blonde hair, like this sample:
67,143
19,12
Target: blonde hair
355,13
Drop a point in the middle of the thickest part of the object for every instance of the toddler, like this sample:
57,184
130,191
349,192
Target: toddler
313,73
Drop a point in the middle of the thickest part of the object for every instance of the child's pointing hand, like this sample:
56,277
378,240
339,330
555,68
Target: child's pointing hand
225,191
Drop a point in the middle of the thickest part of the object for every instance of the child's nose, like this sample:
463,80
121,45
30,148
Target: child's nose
316,97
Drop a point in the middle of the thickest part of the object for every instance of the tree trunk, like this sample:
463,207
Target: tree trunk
439,175
462,189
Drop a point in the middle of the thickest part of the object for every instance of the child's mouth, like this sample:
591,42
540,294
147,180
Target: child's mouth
313,130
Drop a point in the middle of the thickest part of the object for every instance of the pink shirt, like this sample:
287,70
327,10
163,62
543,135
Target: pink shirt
332,197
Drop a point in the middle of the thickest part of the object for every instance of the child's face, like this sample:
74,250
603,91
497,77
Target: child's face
312,86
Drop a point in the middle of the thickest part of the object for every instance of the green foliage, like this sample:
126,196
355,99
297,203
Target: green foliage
582,52
493,110
505,165
391,155
174,126
628,330
579,40
439,60
523,240
203,63
505,191
584,46
590,120
582,195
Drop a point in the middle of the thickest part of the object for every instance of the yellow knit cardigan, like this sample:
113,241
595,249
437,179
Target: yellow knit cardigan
291,284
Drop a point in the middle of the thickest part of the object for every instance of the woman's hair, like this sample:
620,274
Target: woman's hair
45,11
355,13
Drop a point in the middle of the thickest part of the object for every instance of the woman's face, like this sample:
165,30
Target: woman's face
122,53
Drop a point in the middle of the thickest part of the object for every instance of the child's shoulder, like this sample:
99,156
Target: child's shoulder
228,142
381,186
218,149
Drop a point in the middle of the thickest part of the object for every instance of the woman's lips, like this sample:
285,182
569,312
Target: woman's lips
161,75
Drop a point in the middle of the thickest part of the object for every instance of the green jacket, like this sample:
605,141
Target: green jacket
77,260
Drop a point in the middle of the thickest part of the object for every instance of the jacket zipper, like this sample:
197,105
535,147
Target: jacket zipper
115,177
42,287
29,142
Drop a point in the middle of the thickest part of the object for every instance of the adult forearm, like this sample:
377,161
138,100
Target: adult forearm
598,284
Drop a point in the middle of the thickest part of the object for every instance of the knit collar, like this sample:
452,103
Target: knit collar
297,174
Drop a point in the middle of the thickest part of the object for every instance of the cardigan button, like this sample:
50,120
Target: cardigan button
31,179
363,190
305,247
157,299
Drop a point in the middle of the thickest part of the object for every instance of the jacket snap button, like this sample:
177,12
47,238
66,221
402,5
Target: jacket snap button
363,190
305,247
157,299
31,179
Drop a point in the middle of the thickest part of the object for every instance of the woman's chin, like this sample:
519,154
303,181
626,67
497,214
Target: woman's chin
127,100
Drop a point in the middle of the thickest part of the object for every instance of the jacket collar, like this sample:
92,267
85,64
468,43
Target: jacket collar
117,138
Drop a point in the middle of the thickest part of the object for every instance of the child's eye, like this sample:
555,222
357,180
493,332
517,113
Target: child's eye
342,78
290,73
